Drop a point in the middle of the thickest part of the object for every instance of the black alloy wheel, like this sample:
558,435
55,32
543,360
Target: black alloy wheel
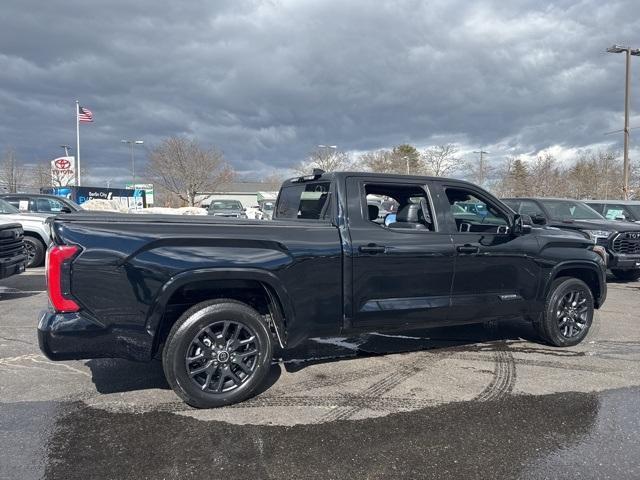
218,353
568,313
572,313
222,356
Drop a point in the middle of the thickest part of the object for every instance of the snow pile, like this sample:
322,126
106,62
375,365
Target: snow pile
172,211
104,205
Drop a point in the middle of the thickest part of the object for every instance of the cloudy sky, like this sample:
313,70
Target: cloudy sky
267,81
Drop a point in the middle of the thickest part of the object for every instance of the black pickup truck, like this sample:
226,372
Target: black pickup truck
214,297
13,256
620,239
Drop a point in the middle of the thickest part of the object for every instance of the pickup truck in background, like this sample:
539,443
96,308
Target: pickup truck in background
620,239
36,233
215,296
13,257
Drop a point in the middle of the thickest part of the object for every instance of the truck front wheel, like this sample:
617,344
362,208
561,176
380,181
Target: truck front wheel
35,251
568,313
217,353
626,275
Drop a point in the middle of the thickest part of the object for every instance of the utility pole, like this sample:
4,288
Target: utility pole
481,167
628,52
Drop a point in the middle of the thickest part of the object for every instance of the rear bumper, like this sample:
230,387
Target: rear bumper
75,336
12,266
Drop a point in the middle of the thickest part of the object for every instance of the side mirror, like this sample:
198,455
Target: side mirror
65,210
538,219
621,219
522,224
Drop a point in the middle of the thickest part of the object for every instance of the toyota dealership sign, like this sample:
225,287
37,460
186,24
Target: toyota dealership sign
63,171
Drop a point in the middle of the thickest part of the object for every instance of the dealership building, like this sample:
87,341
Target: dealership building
249,194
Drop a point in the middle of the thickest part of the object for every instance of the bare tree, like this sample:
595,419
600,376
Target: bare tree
547,177
380,161
41,176
441,160
180,166
12,174
273,181
479,170
327,159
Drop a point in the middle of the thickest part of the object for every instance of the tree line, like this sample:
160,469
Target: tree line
589,175
180,169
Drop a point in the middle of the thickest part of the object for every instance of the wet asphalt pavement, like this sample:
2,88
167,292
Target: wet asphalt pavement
470,402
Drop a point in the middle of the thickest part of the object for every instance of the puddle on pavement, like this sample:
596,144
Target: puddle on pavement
559,435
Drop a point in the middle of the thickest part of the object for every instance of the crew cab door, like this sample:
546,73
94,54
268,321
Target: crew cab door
401,273
495,274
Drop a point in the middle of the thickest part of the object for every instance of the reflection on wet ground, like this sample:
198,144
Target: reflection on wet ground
568,435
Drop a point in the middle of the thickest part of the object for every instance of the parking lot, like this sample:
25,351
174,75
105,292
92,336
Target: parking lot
472,402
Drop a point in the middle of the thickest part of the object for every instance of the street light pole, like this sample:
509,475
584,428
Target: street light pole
66,149
131,144
628,52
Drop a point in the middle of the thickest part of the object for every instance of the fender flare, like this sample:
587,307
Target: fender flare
592,266
281,307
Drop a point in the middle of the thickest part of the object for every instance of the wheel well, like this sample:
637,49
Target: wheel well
257,295
588,276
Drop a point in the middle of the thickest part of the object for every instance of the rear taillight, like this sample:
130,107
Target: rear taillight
58,277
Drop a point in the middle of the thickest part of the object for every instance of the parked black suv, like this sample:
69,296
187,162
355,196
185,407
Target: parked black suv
621,239
214,296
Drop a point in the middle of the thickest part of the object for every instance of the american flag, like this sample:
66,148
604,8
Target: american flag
84,114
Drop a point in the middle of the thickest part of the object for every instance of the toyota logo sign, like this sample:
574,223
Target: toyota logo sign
633,235
62,164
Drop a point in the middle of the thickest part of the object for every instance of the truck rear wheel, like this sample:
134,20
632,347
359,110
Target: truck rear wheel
626,275
568,313
217,353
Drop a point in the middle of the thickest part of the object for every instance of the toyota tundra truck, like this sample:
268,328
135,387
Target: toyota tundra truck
213,297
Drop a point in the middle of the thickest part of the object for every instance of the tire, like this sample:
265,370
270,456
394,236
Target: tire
627,275
201,356
568,313
35,251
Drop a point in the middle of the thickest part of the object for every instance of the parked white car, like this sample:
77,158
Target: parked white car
36,232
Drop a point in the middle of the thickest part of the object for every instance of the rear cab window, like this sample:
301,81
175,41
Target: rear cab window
304,201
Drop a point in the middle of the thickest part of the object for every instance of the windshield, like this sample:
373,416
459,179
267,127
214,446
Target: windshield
225,205
6,207
568,209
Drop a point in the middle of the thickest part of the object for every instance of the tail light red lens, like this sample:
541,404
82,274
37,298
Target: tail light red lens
58,274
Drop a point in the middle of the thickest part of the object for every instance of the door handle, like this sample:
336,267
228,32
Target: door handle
372,248
468,249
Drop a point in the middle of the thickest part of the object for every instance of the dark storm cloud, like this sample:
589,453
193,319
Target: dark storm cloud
267,81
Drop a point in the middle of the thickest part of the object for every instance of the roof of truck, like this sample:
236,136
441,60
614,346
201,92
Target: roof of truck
338,175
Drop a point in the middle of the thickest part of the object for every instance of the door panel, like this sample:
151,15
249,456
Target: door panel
495,275
400,277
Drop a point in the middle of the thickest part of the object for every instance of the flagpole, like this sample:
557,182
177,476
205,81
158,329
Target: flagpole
78,143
